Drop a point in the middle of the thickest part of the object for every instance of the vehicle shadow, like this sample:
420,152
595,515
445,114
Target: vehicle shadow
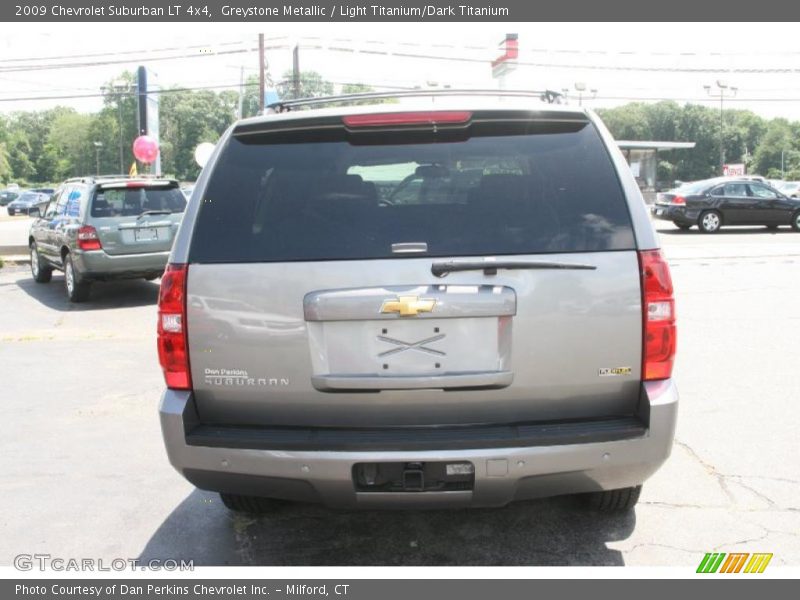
117,294
551,532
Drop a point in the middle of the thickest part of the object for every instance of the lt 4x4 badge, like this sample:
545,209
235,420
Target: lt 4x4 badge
613,371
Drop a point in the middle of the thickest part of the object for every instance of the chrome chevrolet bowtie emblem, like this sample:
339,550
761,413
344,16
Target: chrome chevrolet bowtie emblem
408,306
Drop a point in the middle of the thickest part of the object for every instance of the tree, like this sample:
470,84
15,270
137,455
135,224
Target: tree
69,140
742,132
778,138
182,131
312,85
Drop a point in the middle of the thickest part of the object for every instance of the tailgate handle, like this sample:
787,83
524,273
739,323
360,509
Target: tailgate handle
366,383
151,225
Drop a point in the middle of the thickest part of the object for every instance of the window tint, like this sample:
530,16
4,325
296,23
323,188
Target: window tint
735,189
761,191
550,188
131,202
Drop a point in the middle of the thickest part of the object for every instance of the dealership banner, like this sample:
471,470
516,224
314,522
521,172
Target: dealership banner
372,589
399,11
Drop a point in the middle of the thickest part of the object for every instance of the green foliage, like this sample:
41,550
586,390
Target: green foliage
746,137
51,145
312,85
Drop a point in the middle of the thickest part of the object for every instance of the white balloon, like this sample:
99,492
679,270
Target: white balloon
202,153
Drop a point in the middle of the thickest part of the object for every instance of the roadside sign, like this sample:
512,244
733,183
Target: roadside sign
733,170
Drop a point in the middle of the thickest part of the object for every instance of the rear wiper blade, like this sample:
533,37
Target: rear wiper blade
440,269
154,212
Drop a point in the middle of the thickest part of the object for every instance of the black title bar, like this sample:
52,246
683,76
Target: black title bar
394,11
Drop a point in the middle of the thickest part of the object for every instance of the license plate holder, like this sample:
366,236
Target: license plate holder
145,234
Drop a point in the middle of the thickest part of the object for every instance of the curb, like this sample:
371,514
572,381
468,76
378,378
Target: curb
11,260
13,251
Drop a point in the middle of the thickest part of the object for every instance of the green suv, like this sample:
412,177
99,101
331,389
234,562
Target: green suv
105,228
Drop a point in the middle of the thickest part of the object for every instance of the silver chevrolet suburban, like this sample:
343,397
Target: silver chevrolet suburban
459,302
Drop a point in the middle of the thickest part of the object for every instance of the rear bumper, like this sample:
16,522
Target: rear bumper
97,264
502,474
677,214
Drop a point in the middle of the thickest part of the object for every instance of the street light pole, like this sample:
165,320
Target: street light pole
580,87
724,91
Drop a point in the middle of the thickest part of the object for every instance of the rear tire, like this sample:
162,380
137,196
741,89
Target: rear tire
796,221
251,504
615,501
77,290
710,221
41,273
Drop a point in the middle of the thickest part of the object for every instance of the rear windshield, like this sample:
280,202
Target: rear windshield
130,202
547,189
694,187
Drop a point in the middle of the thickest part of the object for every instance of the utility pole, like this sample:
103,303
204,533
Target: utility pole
296,71
261,81
97,146
724,91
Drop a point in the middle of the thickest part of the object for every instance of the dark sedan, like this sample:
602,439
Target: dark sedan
714,203
7,196
26,202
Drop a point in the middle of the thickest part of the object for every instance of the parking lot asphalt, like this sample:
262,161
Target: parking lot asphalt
85,473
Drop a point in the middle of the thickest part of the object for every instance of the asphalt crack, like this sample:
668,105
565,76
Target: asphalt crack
711,469
723,479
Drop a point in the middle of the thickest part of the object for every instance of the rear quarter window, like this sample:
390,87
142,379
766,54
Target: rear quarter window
73,206
540,187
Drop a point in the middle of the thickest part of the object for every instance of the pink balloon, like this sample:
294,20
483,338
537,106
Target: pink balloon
145,148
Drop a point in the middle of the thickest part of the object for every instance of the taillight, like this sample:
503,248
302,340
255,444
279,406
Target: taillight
88,239
173,349
658,305
679,200
430,117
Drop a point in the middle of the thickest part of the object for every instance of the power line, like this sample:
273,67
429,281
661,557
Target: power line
128,94
221,86
139,51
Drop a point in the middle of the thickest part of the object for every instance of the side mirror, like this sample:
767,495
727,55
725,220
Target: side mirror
34,212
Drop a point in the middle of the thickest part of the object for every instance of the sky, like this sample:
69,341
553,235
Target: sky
621,61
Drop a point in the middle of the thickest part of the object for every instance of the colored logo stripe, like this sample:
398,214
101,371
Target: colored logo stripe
711,562
758,562
734,562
